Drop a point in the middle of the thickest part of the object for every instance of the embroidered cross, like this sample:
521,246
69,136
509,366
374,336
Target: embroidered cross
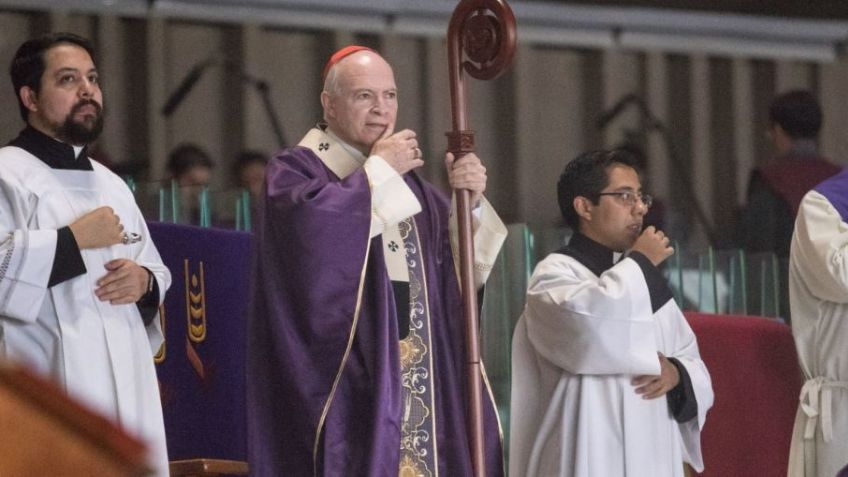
323,146
393,246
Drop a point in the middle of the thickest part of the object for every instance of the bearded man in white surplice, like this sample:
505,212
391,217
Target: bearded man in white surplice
80,280
607,378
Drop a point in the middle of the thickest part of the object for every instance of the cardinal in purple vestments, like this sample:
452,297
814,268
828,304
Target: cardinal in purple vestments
356,339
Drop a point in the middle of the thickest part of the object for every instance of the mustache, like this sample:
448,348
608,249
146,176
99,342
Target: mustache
87,102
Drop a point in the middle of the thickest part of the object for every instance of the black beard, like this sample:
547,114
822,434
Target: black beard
82,132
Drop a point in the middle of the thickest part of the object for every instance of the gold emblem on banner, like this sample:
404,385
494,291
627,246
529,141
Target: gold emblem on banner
195,287
160,355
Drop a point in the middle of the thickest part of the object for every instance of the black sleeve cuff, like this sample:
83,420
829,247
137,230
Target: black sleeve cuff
681,400
148,304
657,284
68,261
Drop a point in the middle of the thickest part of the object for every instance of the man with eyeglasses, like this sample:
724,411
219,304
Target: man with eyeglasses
607,377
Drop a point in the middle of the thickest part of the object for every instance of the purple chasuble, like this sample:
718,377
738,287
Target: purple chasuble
324,362
835,190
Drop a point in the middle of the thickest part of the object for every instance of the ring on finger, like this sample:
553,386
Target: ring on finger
130,237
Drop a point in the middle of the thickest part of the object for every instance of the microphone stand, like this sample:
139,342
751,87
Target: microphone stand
264,91
681,176
653,123
261,86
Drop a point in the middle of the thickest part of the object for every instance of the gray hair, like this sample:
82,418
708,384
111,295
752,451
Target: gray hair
331,83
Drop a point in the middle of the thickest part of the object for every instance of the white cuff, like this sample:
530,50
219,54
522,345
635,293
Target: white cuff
391,199
489,235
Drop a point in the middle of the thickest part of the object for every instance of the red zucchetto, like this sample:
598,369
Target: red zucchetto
340,55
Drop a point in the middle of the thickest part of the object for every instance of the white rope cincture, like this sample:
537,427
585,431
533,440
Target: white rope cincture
816,402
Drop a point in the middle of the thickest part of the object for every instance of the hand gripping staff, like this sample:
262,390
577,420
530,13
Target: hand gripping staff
484,31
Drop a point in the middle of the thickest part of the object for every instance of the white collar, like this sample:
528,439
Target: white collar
339,156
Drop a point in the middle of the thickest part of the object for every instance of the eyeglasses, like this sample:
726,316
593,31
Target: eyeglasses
630,198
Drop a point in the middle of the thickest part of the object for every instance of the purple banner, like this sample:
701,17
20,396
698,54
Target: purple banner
201,366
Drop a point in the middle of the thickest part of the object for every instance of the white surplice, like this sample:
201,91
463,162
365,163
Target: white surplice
101,354
580,342
818,295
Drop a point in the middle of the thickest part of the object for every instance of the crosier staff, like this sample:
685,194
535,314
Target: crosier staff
484,30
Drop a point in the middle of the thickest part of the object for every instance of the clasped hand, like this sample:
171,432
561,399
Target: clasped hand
652,387
124,283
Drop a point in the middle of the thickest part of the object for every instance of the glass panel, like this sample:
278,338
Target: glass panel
547,240
199,206
707,283
767,283
503,303
673,271
737,303
689,287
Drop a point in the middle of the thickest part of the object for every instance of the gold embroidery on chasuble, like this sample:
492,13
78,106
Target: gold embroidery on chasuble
418,431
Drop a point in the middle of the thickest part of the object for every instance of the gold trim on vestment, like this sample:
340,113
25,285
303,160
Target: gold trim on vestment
430,346
356,313
497,414
344,358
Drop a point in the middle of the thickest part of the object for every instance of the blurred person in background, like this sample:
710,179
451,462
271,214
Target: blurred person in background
249,173
776,187
191,168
